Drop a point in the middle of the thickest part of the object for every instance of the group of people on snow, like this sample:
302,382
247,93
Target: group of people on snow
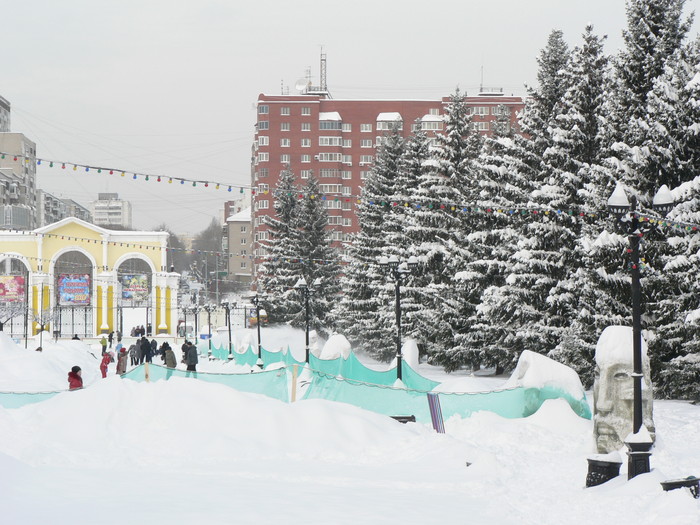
142,350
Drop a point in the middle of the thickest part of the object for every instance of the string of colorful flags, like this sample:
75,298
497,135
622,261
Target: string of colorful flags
74,166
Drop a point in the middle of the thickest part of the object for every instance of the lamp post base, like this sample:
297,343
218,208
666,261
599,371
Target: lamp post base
638,454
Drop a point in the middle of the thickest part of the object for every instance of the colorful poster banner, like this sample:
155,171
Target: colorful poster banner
12,288
73,289
135,287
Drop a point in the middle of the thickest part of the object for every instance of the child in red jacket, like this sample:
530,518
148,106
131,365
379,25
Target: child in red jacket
75,380
106,359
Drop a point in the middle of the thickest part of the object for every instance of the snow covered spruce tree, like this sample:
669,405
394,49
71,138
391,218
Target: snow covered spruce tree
445,193
655,33
362,315
512,307
318,261
582,302
280,271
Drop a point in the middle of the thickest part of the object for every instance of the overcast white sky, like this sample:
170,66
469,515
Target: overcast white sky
169,86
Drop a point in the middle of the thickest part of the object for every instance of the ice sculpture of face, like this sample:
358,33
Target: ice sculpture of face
613,401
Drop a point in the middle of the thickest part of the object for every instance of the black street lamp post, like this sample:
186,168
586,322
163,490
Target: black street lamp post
207,308
195,312
398,271
307,292
227,306
256,302
629,220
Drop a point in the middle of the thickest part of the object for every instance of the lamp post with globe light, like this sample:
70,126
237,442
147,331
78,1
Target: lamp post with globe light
398,271
632,224
307,292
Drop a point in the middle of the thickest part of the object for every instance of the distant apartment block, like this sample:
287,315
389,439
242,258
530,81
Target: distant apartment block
238,241
110,211
17,181
4,116
50,209
336,141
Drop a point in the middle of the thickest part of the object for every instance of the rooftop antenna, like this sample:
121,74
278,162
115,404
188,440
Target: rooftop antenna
324,86
481,85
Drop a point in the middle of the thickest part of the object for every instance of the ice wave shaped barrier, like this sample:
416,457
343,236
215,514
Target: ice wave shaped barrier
375,396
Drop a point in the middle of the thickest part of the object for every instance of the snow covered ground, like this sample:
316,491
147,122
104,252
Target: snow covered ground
187,451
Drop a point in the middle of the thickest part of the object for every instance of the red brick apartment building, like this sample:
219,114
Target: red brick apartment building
336,141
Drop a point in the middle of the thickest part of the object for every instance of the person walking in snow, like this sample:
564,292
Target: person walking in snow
75,379
170,360
121,361
192,360
103,342
134,355
154,348
110,338
106,359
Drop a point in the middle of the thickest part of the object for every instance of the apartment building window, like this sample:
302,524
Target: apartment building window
480,126
330,188
285,159
366,128
263,140
363,175
347,159
330,157
327,173
285,143
262,204
329,141
346,174
306,126
347,126
500,110
480,110
305,110
431,126
244,229
263,156
243,265
284,110
331,205
263,172
262,236
263,124
305,143
263,188
347,221
256,222
366,159
334,220
388,126
284,126
244,241
434,111
415,126
347,205
330,124
366,143
305,174
347,190
380,141
263,109
305,158
243,253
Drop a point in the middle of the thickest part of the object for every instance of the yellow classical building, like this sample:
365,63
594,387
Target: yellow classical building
77,278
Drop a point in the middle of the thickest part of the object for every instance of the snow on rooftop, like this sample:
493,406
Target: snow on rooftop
243,215
329,115
432,118
391,116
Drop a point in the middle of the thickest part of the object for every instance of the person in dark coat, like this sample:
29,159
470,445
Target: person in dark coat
170,360
154,348
192,360
75,338
110,338
75,379
146,349
134,355
184,348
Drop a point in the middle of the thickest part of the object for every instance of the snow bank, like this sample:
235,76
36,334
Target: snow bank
26,370
615,345
336,346
538,371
